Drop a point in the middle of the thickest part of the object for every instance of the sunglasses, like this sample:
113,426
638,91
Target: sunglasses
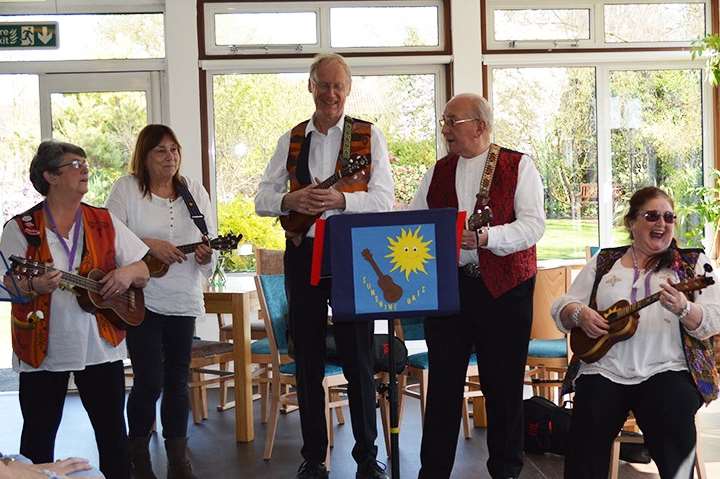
654,215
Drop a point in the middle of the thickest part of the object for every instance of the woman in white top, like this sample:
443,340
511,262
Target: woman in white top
149,202
52,335
666,370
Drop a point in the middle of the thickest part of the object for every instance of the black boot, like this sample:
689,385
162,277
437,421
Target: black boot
140,465
179,466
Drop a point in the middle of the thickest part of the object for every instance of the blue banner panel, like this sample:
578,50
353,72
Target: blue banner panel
397,264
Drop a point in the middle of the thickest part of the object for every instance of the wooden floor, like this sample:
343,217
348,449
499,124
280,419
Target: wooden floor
215,454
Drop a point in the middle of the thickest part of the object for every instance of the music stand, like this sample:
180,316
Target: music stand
394,265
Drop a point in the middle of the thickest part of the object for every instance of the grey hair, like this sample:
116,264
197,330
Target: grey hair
481,108
48,157
328,57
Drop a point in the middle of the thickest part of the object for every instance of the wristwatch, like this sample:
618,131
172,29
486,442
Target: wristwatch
7,460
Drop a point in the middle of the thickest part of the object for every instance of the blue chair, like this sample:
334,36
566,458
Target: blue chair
413,329
274,312
548,351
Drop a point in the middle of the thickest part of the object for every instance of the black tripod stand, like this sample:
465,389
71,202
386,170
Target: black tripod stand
390,390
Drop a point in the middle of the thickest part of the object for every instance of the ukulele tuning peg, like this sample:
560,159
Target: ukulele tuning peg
707,268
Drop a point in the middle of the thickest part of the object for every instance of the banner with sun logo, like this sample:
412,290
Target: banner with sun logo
396,264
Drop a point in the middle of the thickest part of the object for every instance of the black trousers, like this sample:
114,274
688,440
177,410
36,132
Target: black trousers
664,406
102,392
160,353
308,310
498,330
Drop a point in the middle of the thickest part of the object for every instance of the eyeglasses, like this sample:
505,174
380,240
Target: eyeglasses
451,122
654,215
76,164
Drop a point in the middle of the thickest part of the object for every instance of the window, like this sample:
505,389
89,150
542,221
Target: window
654,22
96,37
384,27
310,27
537,24
565,24
549,113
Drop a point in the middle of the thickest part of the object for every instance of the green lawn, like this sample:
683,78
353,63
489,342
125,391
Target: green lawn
566,239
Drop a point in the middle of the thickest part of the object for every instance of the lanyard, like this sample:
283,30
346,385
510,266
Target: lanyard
636,276
76,233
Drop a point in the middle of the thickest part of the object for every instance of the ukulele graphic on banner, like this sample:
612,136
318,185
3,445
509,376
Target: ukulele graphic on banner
396,266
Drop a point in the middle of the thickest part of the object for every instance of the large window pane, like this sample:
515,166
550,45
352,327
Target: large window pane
106,125
265,28
19,138
251,111
654,22
536,24
384,26
656,135
96,37
549,113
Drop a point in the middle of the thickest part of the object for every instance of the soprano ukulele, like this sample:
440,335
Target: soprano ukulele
221,243
297,224
122,310
623,320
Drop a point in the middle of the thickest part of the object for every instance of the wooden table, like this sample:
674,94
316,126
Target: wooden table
238,298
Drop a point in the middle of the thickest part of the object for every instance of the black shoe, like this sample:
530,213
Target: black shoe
309,470
371,470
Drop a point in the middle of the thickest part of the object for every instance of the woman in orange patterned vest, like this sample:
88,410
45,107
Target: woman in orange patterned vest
52,336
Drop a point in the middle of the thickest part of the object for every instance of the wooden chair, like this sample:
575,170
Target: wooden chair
274,308
204,354
548,351
267,261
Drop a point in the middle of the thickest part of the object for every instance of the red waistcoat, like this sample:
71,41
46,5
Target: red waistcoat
499,273
360,144
29,334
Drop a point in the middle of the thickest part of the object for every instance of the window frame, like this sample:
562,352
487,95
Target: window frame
208,49
597,27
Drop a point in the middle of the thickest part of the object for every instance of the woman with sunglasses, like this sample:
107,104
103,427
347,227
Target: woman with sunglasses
666,370
52,335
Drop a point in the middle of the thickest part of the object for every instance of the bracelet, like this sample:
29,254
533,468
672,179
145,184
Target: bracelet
575,316
685,311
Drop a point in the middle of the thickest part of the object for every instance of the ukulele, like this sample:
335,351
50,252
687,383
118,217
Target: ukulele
391,291
122,310
221,243
296,224
482,217
623,321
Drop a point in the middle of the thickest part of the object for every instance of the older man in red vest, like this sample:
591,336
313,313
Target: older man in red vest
496,281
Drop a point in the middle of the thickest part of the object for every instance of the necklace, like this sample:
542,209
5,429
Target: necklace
636,276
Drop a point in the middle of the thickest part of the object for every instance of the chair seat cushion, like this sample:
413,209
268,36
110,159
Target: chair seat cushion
421,361
261,346
548,348
330,369
202,349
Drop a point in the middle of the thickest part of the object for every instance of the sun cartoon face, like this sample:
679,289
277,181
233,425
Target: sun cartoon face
409,252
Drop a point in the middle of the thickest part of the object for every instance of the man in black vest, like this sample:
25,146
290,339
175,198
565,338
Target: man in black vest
310,153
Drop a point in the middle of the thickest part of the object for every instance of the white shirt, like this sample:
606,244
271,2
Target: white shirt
322,159
180,291
657,345
529,224
73,338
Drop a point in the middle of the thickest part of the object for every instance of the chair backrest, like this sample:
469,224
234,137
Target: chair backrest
591,251
550,284
274,305
413,329
269,261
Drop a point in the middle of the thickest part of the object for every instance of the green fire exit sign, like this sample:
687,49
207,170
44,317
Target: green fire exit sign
29,35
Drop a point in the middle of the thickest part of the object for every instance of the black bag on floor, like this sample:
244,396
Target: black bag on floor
547,426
